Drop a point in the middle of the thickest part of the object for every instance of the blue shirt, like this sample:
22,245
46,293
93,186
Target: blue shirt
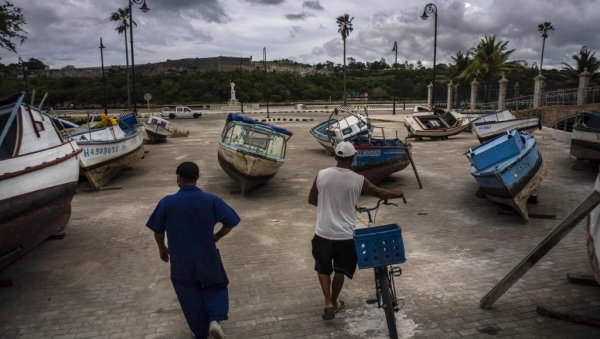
189,218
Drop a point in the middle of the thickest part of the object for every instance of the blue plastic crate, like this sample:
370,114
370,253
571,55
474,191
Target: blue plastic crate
379,246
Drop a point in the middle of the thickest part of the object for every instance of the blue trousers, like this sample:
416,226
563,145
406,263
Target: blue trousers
202,299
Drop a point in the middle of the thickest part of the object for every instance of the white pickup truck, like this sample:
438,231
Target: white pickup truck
180,112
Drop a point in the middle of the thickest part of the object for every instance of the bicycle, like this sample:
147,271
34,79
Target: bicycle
380,247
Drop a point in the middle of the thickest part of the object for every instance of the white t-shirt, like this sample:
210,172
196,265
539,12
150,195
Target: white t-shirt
339,189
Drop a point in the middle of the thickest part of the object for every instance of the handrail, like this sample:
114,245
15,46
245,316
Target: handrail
11,118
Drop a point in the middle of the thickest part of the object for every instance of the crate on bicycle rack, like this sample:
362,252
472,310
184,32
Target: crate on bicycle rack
379,246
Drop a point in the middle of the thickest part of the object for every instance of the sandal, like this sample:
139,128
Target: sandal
329,313
340,306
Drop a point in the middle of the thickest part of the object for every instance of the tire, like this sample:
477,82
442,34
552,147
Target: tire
171,116
196,116
388,303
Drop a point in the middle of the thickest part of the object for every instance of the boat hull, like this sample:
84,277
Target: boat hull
102,160
489,130
593,236
585,145
516,182
156,136
379,162
246,169
417,129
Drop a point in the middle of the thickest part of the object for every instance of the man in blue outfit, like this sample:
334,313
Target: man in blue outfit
199,279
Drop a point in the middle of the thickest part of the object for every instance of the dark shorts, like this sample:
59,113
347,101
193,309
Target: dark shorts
334,255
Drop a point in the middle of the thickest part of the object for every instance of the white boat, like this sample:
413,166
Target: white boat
435,126
329,133
585,141
157,129
39,170
492,125
108,147
593,236
251,152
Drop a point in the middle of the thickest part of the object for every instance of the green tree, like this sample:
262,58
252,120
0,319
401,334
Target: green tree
461,61
11,20
544,28
490,59
585,59
121,17
344,23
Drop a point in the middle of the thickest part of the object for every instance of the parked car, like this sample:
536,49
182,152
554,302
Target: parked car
180,112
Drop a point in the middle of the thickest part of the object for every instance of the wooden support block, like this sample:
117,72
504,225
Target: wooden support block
571,317
582,279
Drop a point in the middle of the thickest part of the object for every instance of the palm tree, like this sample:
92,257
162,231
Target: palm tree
585,59
544,28
461,62
489,60
344,23
121,16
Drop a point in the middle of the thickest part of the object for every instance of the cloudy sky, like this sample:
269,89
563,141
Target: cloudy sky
67,32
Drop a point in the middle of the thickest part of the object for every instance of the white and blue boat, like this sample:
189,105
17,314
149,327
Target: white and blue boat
378,158
250,151
109,146
508,169
335,130
585,142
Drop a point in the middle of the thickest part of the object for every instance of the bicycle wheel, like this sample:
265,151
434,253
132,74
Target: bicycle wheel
388,303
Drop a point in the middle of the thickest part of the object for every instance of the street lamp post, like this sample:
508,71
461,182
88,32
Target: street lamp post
24,70
395,49
266,87
427,11
144,9
103,80
241,75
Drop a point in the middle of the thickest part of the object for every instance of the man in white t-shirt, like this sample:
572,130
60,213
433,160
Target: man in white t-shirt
335,192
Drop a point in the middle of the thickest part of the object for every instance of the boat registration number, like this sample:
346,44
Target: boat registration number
102,150
369,152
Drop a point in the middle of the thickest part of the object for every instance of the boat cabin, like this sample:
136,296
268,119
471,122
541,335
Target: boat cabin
259,139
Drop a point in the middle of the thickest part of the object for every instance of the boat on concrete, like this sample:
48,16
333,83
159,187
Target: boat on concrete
343,125
508,169
157,129
109,146
585,141
491,125
251,152
379,157
435,126
593,236
39,169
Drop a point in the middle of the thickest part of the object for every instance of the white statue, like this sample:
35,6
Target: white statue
232,100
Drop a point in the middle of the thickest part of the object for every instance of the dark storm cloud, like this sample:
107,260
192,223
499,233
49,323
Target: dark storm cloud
316,5
299,16
266,2
209,10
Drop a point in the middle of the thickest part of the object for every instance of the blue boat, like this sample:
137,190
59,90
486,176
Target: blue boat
333,131
378,158
508,168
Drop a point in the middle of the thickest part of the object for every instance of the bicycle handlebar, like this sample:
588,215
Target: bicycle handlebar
379,202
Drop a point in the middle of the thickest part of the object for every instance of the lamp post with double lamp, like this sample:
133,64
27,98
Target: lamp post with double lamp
103,81
428,11
144,9
395,49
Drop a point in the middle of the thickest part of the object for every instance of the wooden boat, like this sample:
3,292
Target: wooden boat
593,236
494,124
38,176
329,133
508,169
434,126
108,147
250,151
378,158
585,141
157,129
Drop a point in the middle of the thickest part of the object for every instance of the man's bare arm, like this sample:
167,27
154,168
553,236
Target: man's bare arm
162,248
221,233
381,193
313,196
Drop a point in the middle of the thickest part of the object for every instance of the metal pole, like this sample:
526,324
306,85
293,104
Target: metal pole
132,58
24,74
241,74
395,49
103,79
266,87
434,55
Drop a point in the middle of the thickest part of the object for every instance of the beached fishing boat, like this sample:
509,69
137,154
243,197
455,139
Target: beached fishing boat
250,151
491,125
593,236
435,126
157,129
377,157
508,169
39,170
109,146
585,141
335,130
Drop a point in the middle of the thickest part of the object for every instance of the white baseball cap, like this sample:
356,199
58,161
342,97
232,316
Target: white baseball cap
345,149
